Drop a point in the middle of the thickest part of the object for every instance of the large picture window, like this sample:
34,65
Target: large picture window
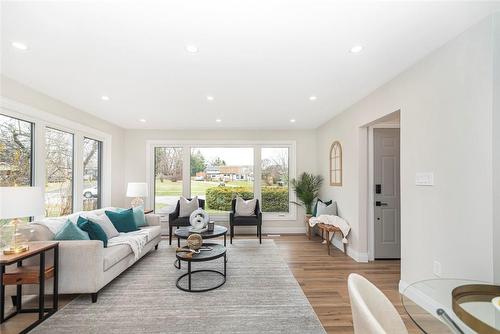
58,172
92,171
72,164
220,173
168,178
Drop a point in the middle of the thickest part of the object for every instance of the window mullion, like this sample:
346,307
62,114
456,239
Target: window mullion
257,171
186,171
77,172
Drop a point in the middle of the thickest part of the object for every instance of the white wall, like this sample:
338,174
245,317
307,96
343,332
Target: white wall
18,92
496,148
446,113
135,157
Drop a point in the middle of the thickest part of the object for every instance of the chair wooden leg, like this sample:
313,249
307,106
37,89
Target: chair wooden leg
170,235
328,241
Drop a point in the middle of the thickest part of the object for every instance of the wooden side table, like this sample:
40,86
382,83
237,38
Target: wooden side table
30,275
330,228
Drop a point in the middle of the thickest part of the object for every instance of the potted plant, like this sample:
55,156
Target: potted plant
307,188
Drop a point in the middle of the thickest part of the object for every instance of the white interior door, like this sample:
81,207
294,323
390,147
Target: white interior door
387,231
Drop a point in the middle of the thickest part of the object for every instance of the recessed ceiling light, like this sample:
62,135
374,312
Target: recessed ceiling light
218,120
292,120
142,120
313,98
20,46
191,48
356,49
105,98
210,98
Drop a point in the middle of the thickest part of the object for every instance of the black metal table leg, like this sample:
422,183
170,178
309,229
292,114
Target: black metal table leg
225,265
224,240
2,294
189,275
19,292
55,295
178,242
41,292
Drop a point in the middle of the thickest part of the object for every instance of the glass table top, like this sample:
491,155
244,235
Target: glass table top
429,304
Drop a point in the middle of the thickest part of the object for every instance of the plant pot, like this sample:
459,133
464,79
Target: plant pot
308,227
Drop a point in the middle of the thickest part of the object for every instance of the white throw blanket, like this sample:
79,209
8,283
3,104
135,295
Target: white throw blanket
336,221
136,240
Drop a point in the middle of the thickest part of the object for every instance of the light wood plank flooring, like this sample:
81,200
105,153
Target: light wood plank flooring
323,279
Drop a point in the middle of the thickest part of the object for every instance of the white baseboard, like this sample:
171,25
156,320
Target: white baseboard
356,256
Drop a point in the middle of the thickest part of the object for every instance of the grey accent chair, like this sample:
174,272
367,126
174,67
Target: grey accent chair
255,220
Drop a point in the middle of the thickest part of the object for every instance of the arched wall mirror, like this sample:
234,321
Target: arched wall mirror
336,164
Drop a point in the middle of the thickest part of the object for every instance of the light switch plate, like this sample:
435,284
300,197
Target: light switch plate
424,179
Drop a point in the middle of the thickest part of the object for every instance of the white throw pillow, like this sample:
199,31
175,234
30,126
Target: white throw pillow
188,206
245,208
324,209
106,224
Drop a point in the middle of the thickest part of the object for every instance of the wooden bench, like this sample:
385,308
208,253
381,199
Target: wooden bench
330,228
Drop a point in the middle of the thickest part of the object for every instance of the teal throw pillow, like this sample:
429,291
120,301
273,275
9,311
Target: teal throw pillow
71,232
94,230
123,221
139,218
315,210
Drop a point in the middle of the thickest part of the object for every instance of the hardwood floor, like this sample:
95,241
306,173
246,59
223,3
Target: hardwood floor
323,279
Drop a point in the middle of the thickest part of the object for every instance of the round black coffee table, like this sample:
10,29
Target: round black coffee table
217,251
183,233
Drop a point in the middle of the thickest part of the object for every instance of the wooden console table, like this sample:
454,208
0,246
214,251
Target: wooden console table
30,275
330,228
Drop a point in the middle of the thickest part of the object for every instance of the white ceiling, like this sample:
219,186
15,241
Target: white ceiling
260,59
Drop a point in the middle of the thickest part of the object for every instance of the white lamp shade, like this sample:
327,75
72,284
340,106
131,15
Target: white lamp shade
137,189
21,202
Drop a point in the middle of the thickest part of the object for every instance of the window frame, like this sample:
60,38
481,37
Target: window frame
257,146
72,164
40,121
99,170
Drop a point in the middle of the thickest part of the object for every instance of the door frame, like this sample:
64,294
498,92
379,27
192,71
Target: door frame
371,186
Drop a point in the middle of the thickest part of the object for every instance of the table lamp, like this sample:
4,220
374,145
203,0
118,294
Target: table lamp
138,190
16,203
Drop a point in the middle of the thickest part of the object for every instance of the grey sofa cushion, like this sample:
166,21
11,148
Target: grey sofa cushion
154,231
38,232
114,254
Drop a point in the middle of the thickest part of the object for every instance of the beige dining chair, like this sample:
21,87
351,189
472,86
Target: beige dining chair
372,312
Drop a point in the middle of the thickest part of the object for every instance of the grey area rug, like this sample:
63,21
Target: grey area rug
260,296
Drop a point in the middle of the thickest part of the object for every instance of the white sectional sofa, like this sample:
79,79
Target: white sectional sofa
85,266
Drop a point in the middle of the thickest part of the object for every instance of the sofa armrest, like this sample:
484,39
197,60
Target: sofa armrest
81,265
152,219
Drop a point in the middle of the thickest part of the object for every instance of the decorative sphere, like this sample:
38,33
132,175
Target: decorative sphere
194,241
